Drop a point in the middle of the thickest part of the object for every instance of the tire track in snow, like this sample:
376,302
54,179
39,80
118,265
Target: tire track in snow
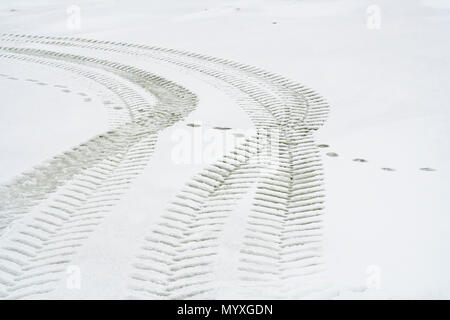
75,190
140,115
282,241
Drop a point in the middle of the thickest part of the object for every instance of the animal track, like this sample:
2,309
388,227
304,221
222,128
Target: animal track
64,88
427,169
361,160
332,154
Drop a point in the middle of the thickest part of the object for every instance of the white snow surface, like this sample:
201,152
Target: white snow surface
386,234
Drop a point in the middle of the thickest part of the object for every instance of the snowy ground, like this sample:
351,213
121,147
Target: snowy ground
383,67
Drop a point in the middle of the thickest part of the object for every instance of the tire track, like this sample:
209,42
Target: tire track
281,246
140,114
47,213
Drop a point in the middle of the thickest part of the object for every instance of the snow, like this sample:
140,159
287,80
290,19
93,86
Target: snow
388,95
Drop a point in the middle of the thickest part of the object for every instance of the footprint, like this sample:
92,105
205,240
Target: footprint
239,135
387,169
12,78
332,154
360,160
107,102
427,169
59,86
323,146
65,90
117,108
221,128
82,94
31,80
42,83
193,125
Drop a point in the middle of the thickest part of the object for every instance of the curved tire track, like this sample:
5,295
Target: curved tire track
281,246
47,213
